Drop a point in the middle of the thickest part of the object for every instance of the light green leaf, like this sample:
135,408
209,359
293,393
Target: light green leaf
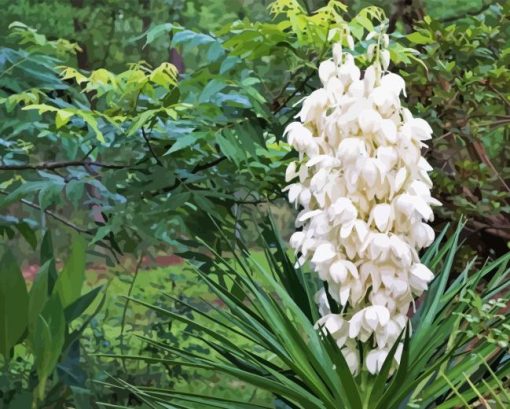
419,38
62,118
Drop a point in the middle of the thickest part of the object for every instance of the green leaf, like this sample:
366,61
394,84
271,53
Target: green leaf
78,307
172,97
230,147
46,254
228,63
49,337
364,21
22,190
74,191
212,88
13,304
38,295
182,142
157,31
165,75
91,121
50,194
215,52
28,233
71,278
62,118
419,38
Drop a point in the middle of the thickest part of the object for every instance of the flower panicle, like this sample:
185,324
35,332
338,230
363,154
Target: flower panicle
364,192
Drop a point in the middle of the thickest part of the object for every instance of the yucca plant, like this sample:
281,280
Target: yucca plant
447,361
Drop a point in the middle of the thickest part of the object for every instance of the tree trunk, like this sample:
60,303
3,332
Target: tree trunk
79,28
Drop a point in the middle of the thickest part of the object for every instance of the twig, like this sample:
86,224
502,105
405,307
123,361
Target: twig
89,152
296,91
500,95
208,165
178,182
150,147
498,231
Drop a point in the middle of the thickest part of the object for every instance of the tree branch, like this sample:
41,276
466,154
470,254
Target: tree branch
53,215
63,164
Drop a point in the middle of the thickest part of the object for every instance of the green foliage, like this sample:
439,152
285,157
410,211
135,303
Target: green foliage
463,92
142,152
37,328
289,358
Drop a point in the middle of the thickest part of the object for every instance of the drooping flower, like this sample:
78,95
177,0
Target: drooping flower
364,193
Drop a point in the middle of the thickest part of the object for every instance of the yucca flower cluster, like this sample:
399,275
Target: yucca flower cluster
364,191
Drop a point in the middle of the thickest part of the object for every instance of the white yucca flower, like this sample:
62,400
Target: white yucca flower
364,191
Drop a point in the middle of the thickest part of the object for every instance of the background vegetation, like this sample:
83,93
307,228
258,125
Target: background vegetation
130,129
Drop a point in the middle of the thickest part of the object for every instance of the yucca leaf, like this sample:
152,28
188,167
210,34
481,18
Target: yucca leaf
378,387
437,289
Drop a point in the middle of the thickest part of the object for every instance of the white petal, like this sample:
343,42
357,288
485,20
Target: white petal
394,82
355,324
323,253
338,272
307,215
369,121
372,361
400,178
369,78
381,214
383,314
296,240
344,295
389,130
294,191
326,70
371,318
422,272
290,173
